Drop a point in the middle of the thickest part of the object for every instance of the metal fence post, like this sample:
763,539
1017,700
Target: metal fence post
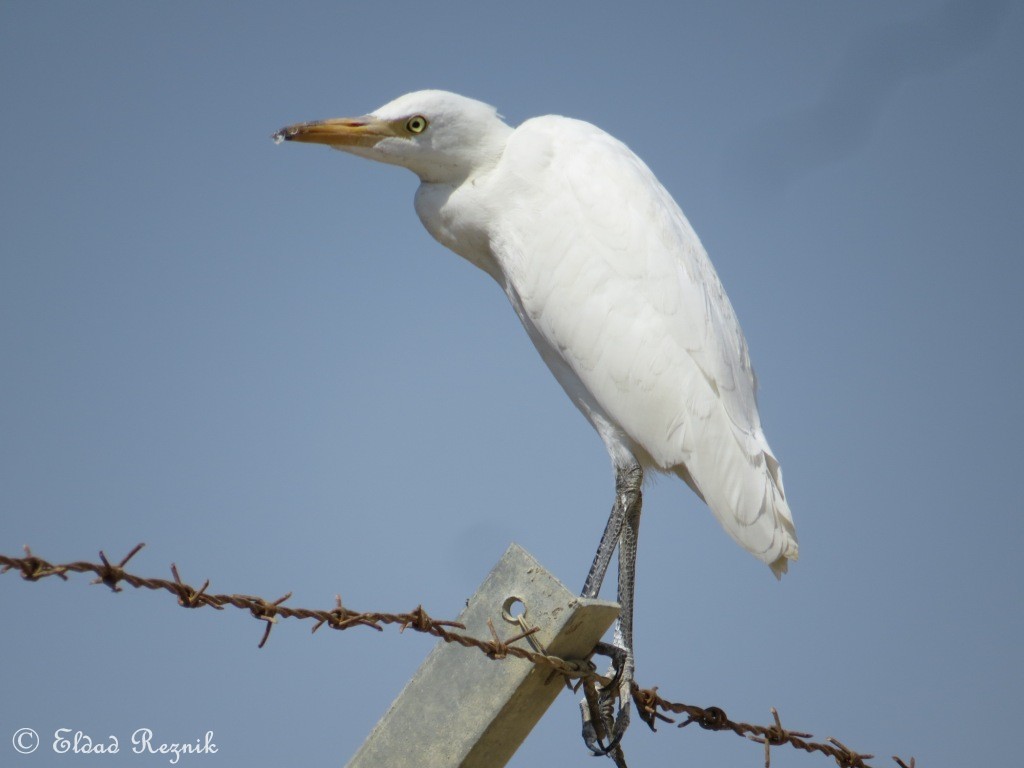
463,710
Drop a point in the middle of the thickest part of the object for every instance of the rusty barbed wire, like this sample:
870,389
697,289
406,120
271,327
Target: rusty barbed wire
650,706
34,568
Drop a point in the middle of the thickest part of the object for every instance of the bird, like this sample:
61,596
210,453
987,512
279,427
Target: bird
618,295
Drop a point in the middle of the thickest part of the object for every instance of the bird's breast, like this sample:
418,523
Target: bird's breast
457,218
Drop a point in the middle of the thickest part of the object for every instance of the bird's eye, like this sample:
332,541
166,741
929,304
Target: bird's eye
416,124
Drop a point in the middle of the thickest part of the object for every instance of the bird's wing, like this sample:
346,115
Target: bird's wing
597,232
611,275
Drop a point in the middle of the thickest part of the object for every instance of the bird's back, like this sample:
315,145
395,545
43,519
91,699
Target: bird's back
620,298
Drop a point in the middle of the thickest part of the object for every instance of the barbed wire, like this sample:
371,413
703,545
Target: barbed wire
650,706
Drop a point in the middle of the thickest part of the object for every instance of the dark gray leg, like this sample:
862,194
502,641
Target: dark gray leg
622,530
624,627
628,479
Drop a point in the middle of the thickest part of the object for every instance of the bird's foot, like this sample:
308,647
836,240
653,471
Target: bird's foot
603,725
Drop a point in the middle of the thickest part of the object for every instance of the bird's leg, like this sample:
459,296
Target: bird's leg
628,479
623,638
621,530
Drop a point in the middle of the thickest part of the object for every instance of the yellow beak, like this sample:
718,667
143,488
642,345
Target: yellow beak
338,132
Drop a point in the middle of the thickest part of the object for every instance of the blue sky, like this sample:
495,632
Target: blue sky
255,360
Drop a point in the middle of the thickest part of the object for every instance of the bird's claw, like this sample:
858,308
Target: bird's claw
596,709
603,727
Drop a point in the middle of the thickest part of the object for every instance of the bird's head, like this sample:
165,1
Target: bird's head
440,136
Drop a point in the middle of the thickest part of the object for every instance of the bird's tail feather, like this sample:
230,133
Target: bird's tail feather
744,490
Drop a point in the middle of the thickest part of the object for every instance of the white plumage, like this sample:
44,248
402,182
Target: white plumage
616,292
618,295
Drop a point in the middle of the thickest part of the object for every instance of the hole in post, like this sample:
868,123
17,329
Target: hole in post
513,609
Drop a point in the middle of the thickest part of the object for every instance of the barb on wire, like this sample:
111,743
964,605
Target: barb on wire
650,706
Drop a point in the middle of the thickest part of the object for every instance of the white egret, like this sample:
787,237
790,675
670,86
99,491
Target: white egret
616,292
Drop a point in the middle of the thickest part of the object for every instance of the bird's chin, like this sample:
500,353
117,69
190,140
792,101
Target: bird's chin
369,152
